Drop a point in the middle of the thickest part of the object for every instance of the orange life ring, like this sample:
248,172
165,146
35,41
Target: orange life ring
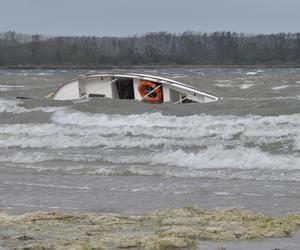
145,87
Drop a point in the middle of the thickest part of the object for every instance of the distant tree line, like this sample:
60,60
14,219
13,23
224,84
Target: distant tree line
218,48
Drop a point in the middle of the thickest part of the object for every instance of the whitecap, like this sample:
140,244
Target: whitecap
223,81
13,106
182,148
224,85
219,157
280,87
10,106
102,171
22,74
252,73
6,88
44,74
252,194
246,85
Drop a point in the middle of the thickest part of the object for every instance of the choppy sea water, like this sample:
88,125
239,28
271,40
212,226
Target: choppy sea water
126,157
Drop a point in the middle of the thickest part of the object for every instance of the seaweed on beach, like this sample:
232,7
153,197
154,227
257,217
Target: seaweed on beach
176,228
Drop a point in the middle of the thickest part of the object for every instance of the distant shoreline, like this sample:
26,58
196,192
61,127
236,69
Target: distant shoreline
157,49
146,66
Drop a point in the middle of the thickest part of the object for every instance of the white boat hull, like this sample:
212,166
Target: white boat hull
146,88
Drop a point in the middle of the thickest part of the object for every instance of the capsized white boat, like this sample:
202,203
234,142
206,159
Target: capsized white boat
146,88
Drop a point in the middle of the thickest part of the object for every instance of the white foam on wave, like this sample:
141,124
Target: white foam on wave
22,74
44,74
223,81
280,87
10,106
194,126
246,85
11,86
175,76
297,142
215,173
236,158
252,73
78,129
214,162
6,88
13,106
153,143
224,85
103,120
102,171
21,157
38,157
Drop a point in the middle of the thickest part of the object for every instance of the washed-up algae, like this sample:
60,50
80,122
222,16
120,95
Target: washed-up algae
178,228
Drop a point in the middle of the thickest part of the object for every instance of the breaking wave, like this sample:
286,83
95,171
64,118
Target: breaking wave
10,106
14,107
224,146
79,129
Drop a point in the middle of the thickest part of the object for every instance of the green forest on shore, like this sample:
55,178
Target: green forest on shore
19,50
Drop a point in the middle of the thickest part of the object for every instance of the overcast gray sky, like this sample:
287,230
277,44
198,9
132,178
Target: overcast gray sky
129,17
